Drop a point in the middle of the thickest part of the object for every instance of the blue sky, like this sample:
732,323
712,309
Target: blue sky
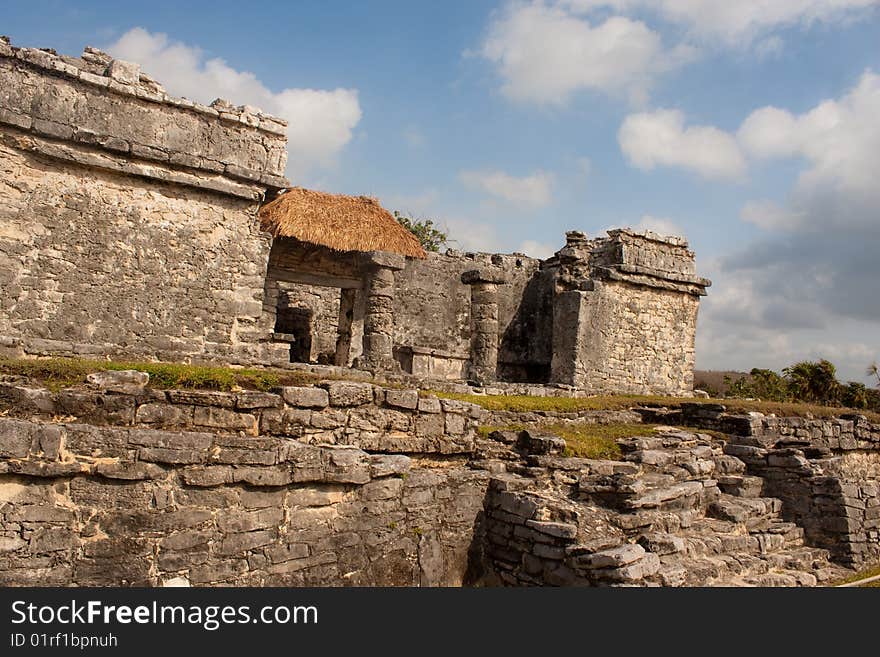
753,128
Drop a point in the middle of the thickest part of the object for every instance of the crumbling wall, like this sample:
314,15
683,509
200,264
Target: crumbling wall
625,314
826,471
634,340
342,484
127,217
433,311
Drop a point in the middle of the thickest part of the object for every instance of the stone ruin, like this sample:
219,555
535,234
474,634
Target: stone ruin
349,483
129,229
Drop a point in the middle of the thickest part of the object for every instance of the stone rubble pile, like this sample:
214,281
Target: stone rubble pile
677,510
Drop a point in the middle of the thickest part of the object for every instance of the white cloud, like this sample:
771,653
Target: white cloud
769,215
658,225
533,190
320,121
840,141
736,22
544,54
467,235
660,138
812,278
536,249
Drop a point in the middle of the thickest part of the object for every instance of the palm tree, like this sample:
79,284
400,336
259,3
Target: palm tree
813,382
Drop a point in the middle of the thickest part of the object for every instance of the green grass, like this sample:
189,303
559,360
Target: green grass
862,574
57,373
525,404
592,441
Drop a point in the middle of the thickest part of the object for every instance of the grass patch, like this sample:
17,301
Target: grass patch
597,441
526,404
862,574
57,373
592,441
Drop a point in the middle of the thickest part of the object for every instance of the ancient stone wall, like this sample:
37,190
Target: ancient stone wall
433,312
127,217
632,340
625,313
341,484
826,471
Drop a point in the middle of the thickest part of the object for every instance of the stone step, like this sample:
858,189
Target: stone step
802,558
741,485
742,509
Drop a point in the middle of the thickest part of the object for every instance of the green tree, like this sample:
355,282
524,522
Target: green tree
874,370
813,382
854,395
759,384
431,237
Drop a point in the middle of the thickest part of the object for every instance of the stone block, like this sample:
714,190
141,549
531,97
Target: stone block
408,399
383,465
166,415
251,399
202,398
613,558
15,438
129,471
221,418
429,405
124,381
348,393
123,72
305,397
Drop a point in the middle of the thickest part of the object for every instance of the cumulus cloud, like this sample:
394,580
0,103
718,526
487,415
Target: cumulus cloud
812,276
537,249
736,22
534,190
660,138
659,225
321,122
839,140
545,53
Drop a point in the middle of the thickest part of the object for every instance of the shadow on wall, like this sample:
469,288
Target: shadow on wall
526,347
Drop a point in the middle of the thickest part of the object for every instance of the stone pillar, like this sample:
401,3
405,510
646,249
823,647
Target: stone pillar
484,323
379,316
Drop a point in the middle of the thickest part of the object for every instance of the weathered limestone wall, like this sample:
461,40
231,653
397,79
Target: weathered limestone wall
342,484
433,312
127,218
826,471
633,340
625,313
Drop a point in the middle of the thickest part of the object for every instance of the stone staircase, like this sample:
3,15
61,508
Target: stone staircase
683,513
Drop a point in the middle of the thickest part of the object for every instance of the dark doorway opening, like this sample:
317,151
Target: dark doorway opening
297,324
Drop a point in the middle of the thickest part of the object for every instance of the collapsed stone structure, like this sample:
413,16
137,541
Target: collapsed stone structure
128,227
352,483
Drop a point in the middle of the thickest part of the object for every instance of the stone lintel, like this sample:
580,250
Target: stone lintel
477,276
385,260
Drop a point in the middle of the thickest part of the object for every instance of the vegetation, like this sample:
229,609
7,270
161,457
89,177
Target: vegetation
592,441
431,237
524,404
806,382
871,571
56,373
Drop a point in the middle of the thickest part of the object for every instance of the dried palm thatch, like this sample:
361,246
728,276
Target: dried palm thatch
339,222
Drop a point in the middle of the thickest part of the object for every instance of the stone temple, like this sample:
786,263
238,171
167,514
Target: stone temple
134,225
137,224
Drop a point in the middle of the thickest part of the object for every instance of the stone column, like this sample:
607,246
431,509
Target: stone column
379,315
484,323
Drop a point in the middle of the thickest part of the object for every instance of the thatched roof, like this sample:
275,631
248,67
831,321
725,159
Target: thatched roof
339,222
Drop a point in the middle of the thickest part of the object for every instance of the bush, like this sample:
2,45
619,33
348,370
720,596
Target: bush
429,235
